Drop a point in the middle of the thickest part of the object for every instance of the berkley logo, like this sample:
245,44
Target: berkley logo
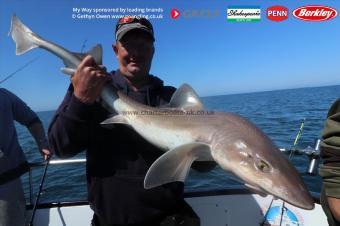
277,13
315,13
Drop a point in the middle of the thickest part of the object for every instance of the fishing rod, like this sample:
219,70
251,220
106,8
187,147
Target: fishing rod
298,135
297,138
19,69
83,46
39,191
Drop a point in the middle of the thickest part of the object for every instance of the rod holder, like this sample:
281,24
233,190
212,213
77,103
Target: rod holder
314,159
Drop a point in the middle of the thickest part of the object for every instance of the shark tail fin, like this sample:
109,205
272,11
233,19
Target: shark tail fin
22,36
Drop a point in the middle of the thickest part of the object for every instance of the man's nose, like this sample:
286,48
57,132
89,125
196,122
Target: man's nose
136,51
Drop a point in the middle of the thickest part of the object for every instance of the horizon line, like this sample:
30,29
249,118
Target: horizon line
230,94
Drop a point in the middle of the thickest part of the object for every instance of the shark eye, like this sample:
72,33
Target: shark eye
262,165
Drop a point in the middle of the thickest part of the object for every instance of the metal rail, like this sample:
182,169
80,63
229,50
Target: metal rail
51,162
306,151
57,162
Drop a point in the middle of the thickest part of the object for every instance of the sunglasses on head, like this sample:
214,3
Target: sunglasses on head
130,20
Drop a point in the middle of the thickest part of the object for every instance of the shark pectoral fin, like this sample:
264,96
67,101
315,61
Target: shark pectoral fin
116,119
22,36
175,164
97,53
186,98
68,71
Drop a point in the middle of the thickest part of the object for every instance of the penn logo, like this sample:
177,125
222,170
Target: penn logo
277,13
315,13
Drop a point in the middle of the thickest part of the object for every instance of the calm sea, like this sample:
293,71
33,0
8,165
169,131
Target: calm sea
277,113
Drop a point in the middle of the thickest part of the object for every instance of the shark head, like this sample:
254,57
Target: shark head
250,155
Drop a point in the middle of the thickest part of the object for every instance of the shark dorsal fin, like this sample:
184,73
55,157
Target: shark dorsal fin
97,53
185,97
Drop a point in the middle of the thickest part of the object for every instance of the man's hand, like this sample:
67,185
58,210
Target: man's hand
88,80
46,153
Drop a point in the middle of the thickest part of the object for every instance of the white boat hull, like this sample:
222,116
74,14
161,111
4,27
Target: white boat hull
233,207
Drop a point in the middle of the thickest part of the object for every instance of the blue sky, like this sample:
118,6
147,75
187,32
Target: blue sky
214,56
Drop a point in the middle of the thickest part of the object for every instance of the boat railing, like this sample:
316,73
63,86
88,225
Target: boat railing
34,165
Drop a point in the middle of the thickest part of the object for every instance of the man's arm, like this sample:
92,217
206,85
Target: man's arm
330,153
37,131
70,128
25,116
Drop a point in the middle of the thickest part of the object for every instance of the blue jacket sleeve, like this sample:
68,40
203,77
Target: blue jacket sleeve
69,130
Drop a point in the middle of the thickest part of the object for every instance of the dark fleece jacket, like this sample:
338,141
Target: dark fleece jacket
118,158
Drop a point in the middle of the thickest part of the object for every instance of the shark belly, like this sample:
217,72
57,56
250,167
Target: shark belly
161,136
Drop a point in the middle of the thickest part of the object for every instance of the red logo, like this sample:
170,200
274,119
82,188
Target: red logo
175,13
277,13
315,13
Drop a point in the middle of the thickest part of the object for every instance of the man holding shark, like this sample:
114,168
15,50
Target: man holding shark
118,158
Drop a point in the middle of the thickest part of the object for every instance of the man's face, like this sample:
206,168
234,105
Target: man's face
134,53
